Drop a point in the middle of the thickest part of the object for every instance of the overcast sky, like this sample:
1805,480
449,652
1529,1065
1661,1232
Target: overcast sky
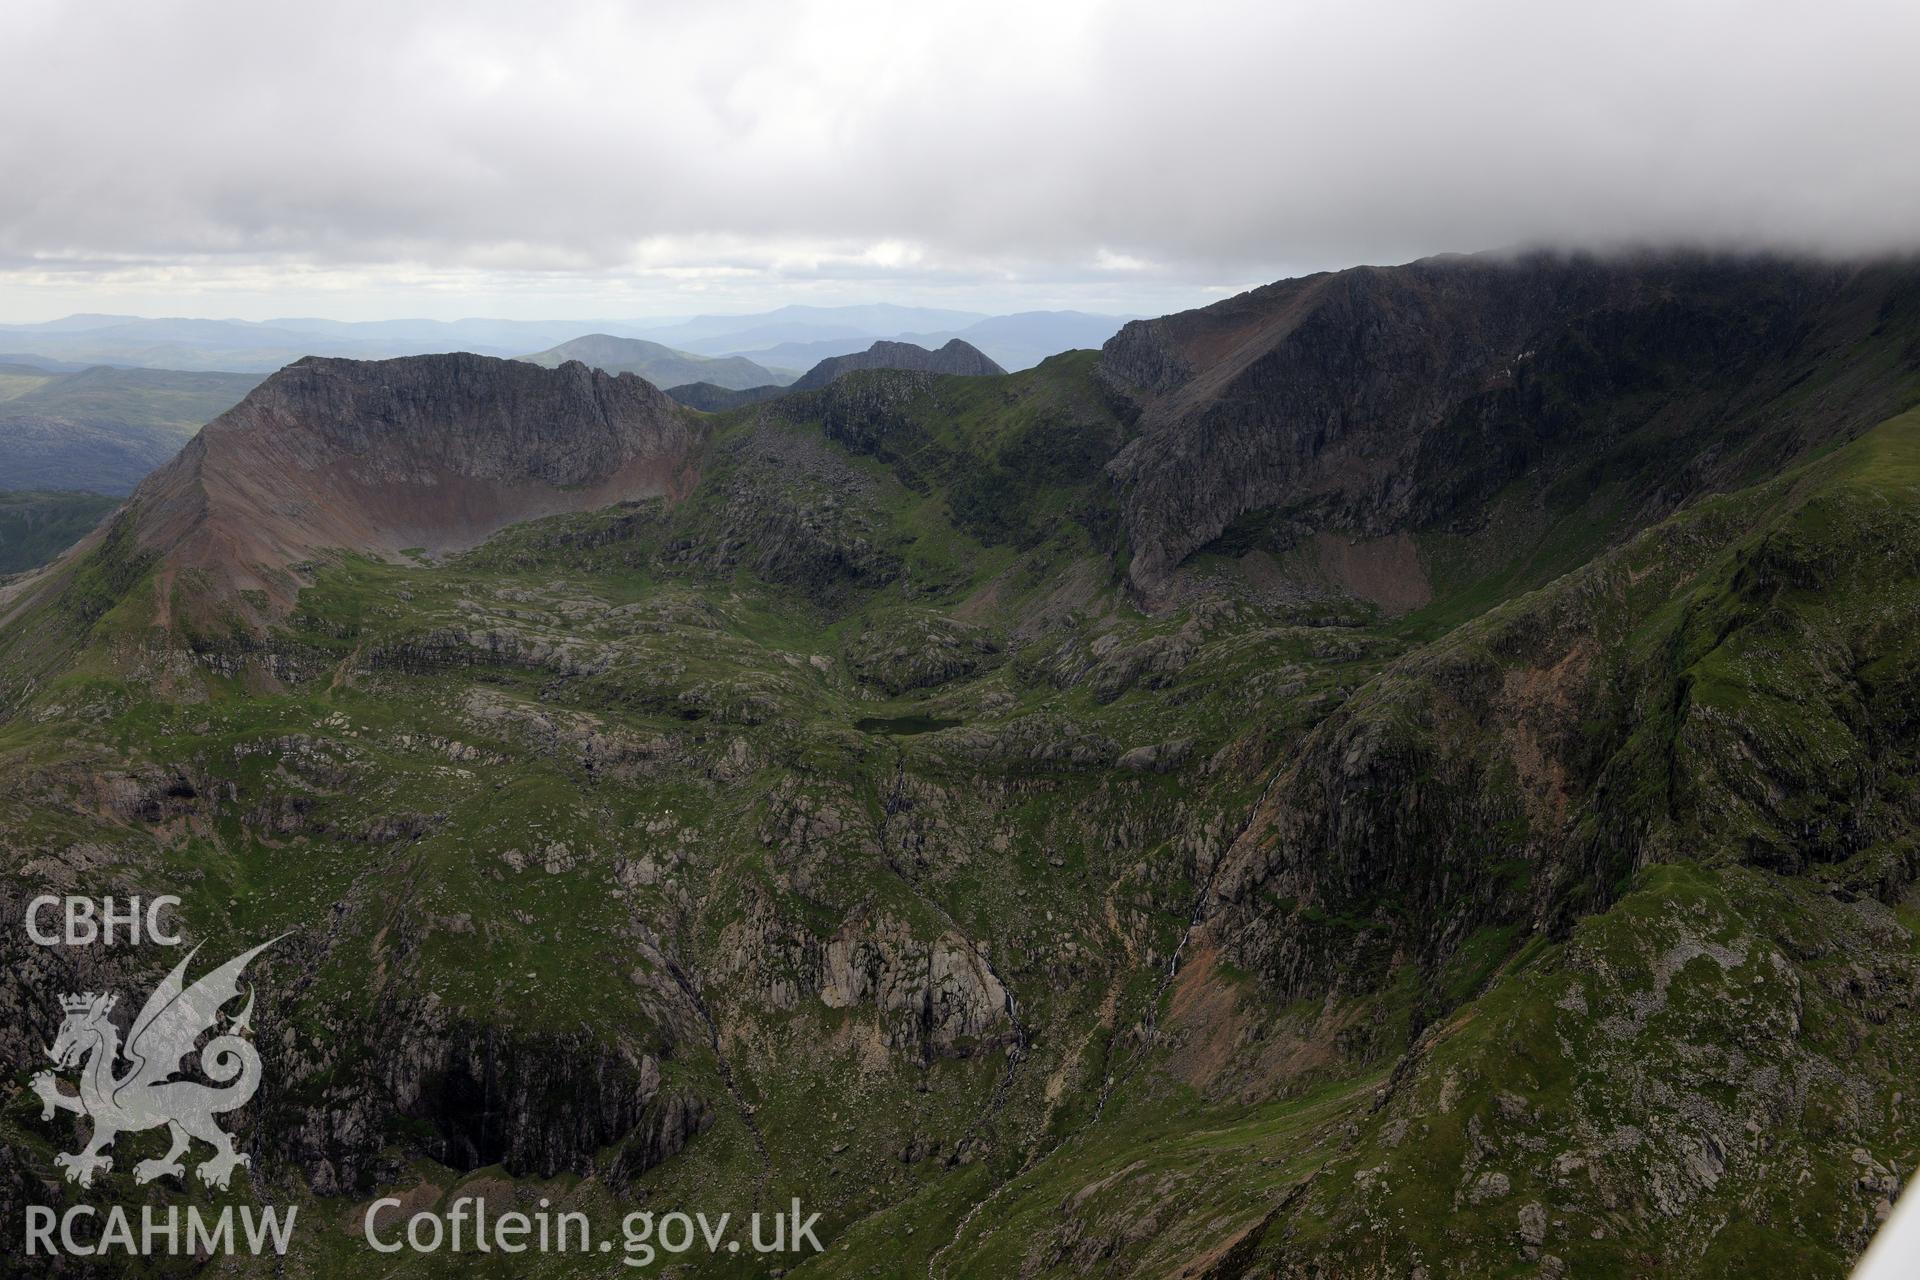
555,160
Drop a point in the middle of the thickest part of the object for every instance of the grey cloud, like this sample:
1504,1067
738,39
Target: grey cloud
1203,141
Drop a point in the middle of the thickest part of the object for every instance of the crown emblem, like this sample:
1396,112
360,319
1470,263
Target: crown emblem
87,1002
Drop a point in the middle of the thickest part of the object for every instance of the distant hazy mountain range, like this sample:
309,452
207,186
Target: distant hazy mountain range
1014,342
786,340
660,365
730,335
262,347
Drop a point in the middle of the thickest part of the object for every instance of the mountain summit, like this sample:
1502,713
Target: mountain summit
428,453
958,356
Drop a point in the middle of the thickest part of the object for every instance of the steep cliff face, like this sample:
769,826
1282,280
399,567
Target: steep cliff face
957,356
426,452
1383,400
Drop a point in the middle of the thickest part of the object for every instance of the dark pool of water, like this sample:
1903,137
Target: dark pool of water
903,724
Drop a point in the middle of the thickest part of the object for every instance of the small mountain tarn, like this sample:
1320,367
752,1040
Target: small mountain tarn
903,725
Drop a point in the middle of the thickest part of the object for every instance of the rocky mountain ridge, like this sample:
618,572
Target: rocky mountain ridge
1378,401
420,453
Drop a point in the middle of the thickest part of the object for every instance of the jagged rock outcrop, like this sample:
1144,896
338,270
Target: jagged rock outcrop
861,413
600,748
930,997
793,510
957,356
918,649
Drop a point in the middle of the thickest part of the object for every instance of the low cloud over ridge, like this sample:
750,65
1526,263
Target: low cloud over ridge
1017,153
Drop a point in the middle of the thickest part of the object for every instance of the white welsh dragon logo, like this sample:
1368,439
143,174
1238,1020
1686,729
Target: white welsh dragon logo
146,1096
